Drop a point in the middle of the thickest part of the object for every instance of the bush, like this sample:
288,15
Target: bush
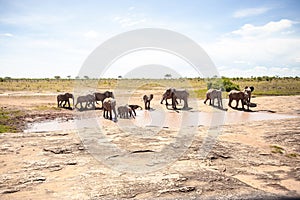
222,83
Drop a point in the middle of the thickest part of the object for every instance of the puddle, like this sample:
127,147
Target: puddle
53,125
160,119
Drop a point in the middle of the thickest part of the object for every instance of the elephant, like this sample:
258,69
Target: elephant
125,112
64,98
101,96
239,95
181,94
249,91
87,99
167,96
109,106
213,94
147,100
134,107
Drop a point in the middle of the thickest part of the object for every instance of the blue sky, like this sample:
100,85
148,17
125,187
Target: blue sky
243,38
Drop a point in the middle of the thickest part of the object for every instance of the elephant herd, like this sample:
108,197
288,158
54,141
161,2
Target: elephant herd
109,103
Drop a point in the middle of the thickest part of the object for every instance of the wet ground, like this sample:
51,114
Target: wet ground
160,119
255,156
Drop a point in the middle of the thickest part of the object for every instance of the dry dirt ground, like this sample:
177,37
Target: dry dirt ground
251,158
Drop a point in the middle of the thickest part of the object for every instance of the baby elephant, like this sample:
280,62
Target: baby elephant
109,106
147,101
125,112
213,94
134,107
239,96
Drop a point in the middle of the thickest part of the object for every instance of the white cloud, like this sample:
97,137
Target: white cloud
249,30
250,12
131,8
91,34
6,35
254,54
129,21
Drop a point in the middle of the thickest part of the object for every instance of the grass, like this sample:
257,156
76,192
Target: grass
7,120
276,149
197,86
292,155
46,107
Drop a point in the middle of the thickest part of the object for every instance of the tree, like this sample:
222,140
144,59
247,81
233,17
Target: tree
57,77
86,77
168,75
69,77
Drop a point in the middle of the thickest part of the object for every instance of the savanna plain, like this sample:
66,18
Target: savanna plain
251,154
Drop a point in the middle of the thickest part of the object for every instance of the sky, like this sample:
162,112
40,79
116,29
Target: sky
43,39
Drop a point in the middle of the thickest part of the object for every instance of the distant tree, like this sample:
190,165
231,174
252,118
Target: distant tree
77,77
86,77
120,77
57,77
168,75
69,77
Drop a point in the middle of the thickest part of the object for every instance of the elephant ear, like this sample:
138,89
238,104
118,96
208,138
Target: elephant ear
246,87
251,88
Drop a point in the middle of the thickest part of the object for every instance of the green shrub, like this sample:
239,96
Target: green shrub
222,83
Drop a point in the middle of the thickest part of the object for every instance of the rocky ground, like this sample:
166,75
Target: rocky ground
251,159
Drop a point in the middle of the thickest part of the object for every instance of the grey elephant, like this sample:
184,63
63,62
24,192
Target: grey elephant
213,94
167,95
101,96
147,100
109,106
239,96
125,112
180,94
89,100
64,98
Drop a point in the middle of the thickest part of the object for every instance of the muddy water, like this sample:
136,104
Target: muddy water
162,119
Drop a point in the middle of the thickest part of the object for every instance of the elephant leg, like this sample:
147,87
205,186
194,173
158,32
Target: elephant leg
237,103
185,103
230,101
110,113
161,102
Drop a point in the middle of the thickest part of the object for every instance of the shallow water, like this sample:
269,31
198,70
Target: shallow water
160,119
